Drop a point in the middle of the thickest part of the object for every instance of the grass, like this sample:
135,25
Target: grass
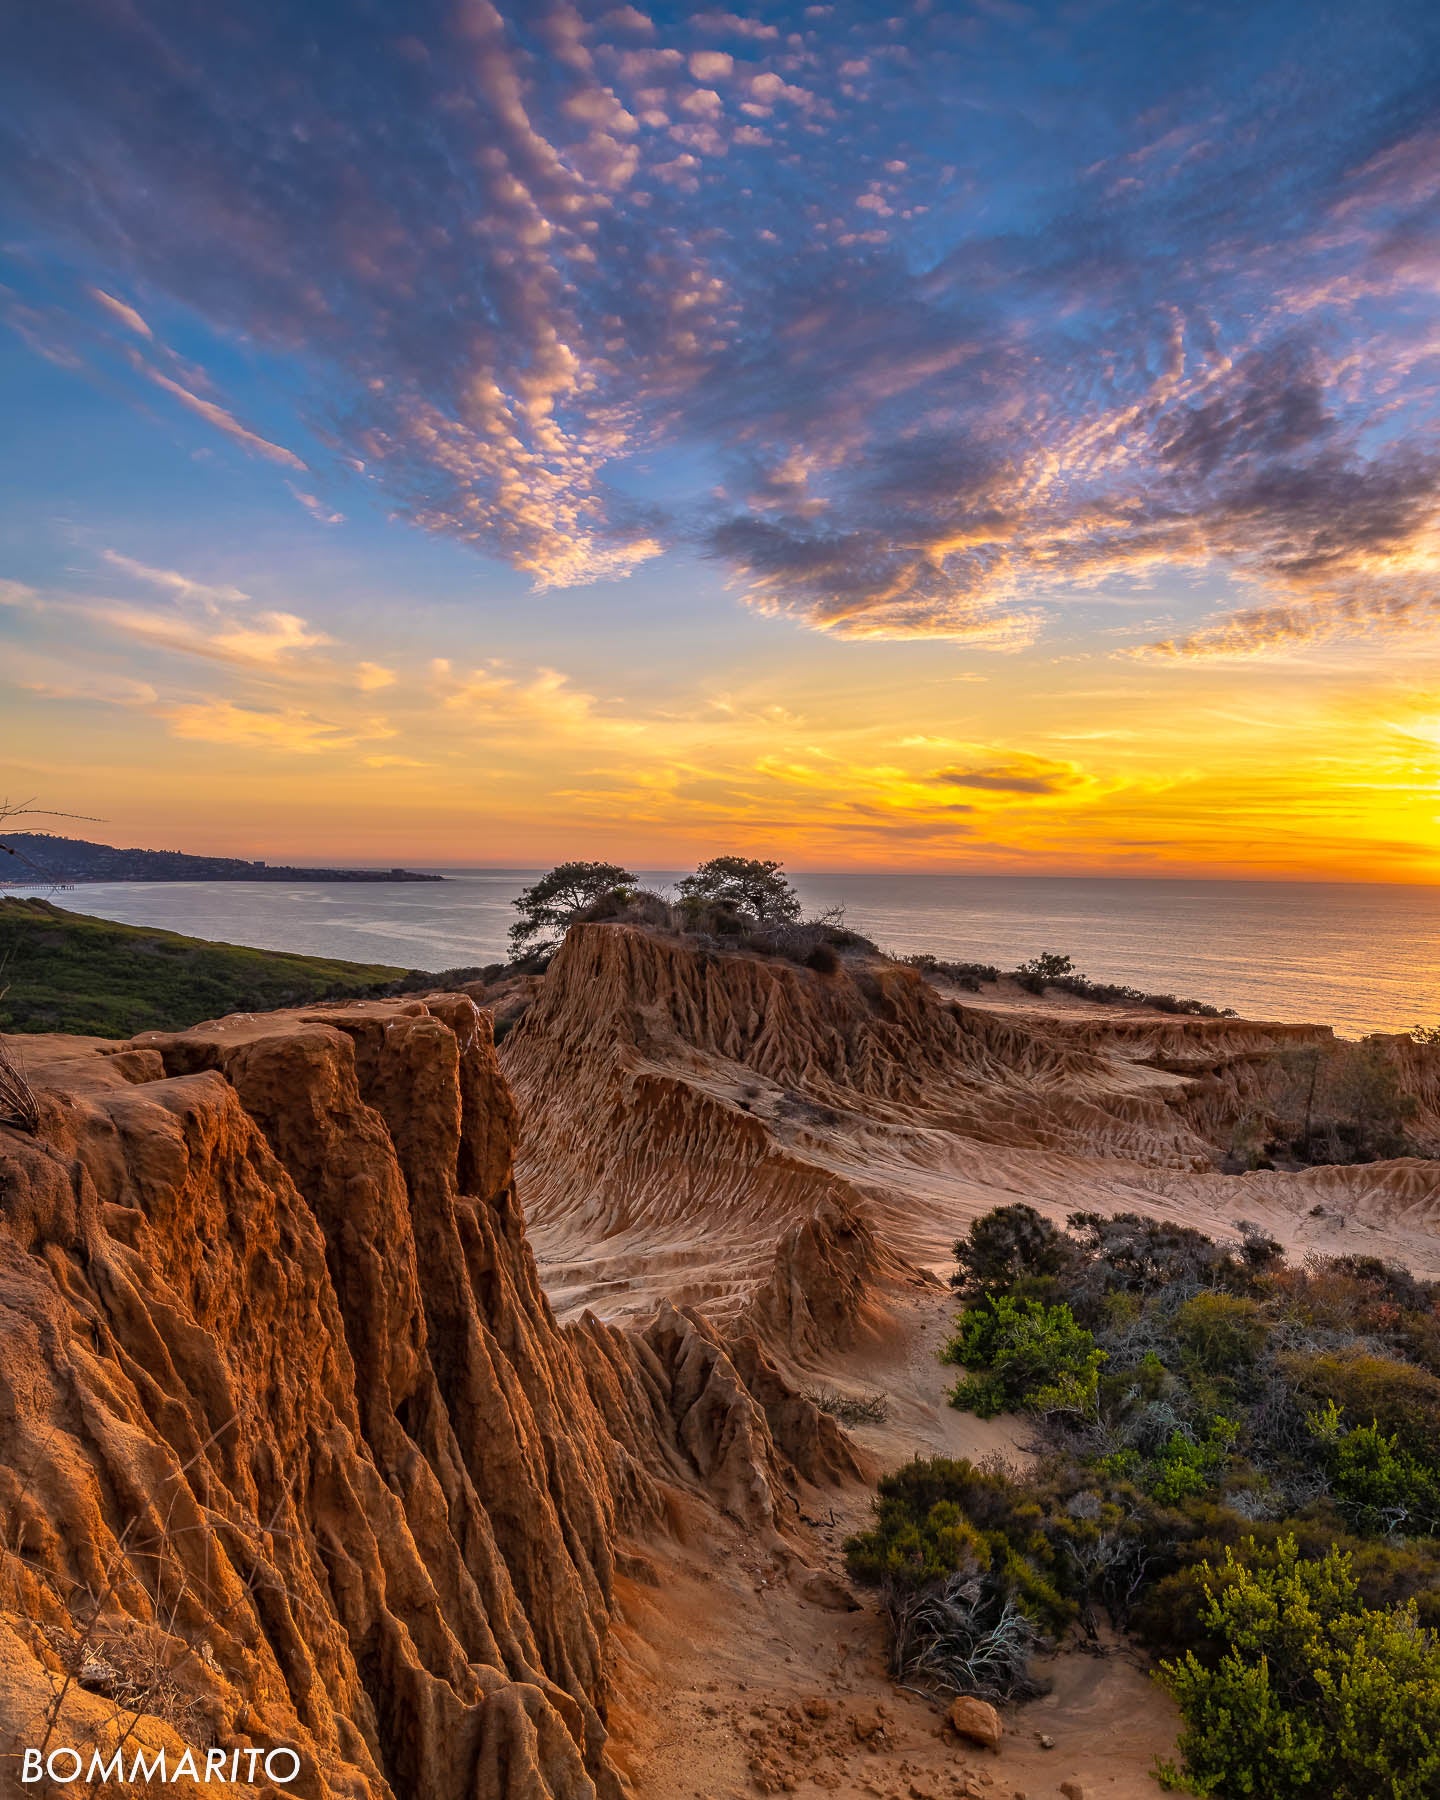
71,973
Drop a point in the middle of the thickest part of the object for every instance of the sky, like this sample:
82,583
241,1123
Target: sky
996,437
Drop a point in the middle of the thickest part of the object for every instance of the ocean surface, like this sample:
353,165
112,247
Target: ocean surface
1361,958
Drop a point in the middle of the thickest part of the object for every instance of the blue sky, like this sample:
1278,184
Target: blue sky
637,356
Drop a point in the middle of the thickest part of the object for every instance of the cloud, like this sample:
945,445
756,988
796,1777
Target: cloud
1378,609
316,507
289,732
96,687
628,18
729,24
184,587
578,286
371,677
259,640
1029,775
490,696
127,315
222,420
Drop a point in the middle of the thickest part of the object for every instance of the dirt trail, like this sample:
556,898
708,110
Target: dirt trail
741,1674
734,1683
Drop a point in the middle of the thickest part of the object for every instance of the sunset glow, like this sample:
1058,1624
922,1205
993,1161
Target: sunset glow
503,433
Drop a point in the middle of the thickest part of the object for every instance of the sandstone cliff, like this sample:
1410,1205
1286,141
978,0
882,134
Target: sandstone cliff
783,1146
292,1450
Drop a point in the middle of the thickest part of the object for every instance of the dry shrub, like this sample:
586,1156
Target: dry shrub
850,1409
17,1098
959,1636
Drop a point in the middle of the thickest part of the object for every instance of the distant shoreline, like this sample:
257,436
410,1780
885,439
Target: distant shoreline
74,862
266,872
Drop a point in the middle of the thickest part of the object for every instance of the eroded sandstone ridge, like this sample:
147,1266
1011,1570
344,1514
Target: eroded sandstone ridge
778,1144
292,1450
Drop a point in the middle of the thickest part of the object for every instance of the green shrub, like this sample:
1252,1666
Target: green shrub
1008,1245
1022,1354
920,1532
1188,1465
1404,1401
1131,1252
1037,974
1381,1486
912,1552
1169,1618
1314,1696
940,1516
1222,1332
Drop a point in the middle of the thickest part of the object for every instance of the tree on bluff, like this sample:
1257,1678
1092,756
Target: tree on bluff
551,905
757,888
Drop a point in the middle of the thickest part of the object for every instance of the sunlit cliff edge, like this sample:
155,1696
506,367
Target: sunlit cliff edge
284,1412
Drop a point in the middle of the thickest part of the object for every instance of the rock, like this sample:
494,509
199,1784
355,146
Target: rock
978,1721
1074,1790
868,1726
1044,1740
822,1589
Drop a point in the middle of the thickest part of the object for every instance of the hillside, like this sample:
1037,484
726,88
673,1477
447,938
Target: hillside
697,1122
40,856
68,972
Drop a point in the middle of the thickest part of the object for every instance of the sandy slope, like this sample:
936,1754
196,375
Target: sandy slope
686,1114
795,1153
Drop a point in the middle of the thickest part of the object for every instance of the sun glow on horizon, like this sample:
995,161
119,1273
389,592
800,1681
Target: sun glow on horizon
860,455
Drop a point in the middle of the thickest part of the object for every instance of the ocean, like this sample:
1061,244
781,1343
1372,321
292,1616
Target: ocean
1359,957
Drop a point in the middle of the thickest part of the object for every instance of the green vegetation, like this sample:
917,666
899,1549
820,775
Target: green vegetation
969,975
67,972
1051,970
1338,1103
1011,1248
1235,1460
1025,1356
550,906
1313,1692
1045,970
729,902
757,888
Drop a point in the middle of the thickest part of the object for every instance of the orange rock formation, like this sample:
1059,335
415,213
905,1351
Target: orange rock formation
291,1448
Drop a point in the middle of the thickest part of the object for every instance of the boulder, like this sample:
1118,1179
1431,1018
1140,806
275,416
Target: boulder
977,1720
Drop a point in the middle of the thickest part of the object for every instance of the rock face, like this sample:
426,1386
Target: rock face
292,1450
777,1144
